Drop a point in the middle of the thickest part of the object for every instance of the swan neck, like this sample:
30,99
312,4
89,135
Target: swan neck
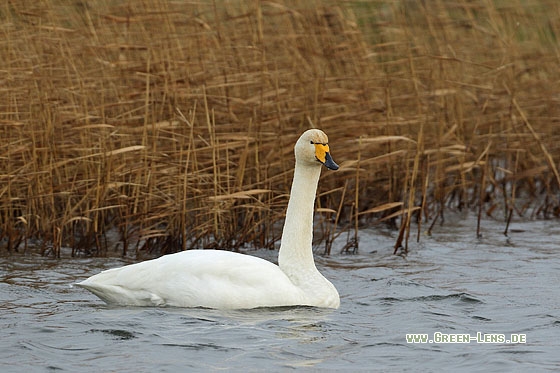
297,236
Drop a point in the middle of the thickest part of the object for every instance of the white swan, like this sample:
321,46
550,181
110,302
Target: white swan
226,280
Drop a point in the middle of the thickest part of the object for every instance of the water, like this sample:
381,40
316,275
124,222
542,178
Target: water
451,282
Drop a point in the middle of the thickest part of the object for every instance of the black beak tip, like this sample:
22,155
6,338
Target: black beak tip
329,163
332,166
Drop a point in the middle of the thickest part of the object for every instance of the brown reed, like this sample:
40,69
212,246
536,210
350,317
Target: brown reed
160,126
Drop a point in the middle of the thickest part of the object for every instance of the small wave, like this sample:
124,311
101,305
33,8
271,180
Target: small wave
461,297
119,334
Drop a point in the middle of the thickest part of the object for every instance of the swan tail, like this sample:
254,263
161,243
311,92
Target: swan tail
116,295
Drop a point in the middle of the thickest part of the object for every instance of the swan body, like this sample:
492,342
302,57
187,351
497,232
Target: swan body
227,280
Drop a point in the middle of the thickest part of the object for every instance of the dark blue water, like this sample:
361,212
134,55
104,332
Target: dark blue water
450,283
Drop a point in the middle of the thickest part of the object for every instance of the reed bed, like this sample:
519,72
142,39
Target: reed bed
149,127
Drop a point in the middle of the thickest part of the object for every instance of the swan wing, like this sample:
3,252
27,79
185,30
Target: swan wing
197,278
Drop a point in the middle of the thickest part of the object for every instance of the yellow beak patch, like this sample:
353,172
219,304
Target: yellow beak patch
321,151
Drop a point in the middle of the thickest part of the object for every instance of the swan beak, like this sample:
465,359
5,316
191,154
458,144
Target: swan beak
329,163
322,154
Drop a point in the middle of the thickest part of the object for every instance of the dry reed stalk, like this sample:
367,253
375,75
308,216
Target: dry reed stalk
160,126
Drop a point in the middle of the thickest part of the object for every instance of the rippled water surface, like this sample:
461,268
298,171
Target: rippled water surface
451,282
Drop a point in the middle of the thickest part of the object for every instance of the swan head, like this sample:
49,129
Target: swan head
312,148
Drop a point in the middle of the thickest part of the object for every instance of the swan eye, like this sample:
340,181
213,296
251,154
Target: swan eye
311,142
